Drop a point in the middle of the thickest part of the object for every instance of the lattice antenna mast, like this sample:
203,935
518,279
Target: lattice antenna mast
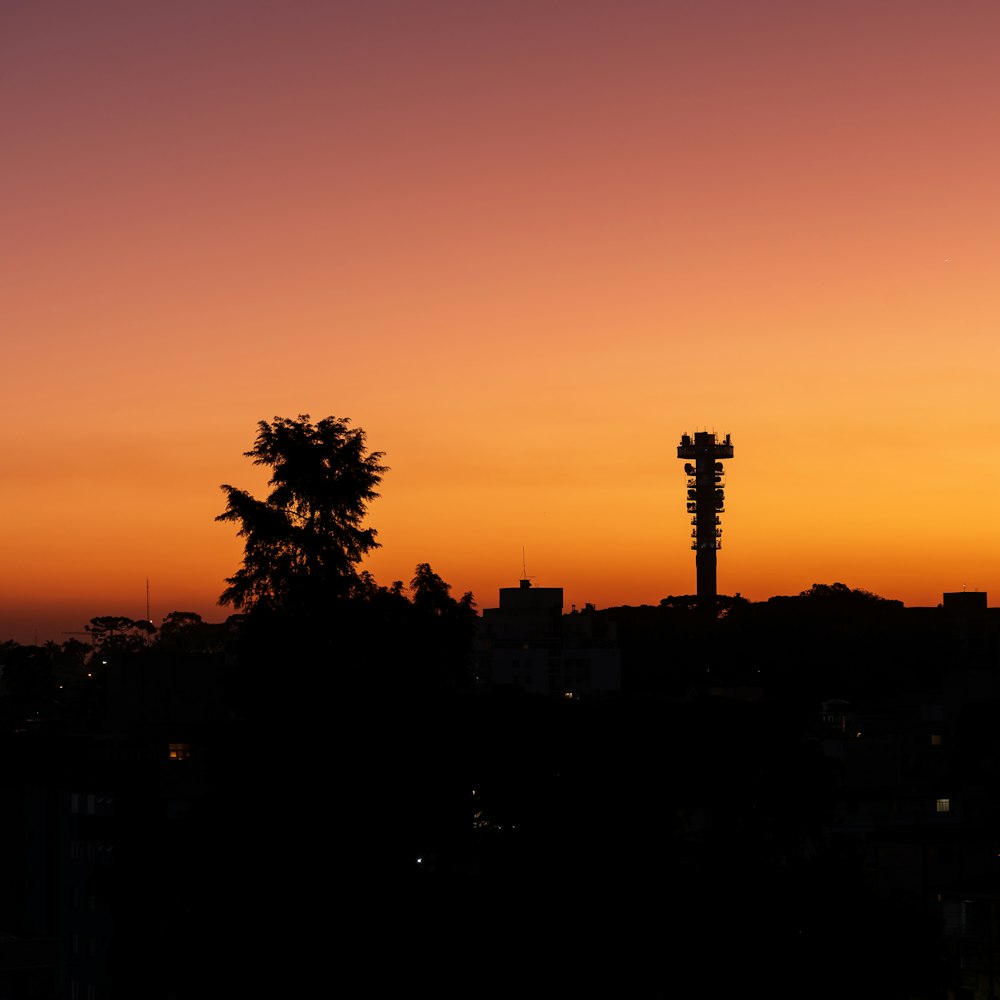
706,500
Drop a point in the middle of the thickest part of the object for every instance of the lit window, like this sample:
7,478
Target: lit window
943,805
179,751
935,739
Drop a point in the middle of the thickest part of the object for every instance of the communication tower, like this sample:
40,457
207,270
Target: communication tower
706,500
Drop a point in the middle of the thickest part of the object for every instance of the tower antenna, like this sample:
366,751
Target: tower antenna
525,579
150,620
706,500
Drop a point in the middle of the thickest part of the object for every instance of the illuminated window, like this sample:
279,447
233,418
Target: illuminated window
935,740
179,751
943,805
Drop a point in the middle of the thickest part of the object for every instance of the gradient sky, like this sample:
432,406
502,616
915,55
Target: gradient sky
524,245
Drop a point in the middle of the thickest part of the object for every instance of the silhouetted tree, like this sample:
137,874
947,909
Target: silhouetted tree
303,542
432,594
185,632
118,634
839,592
442,629
687,603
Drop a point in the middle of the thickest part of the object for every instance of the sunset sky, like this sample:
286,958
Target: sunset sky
524,246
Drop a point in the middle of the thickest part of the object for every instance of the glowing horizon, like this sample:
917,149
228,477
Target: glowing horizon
524,249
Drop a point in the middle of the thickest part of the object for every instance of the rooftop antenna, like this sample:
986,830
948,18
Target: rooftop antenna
525,579
150,620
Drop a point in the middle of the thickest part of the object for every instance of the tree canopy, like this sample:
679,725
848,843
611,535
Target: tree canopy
119,634
306,537
433,596
840,592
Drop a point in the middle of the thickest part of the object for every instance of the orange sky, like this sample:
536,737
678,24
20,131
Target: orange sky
524,245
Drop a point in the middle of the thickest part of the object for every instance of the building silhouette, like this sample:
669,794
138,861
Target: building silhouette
529,643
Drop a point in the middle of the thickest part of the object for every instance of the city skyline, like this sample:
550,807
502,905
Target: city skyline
524,249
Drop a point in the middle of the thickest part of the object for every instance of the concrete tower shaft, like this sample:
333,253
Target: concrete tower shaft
706,500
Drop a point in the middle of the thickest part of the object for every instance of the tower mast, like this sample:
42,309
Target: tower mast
706,500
